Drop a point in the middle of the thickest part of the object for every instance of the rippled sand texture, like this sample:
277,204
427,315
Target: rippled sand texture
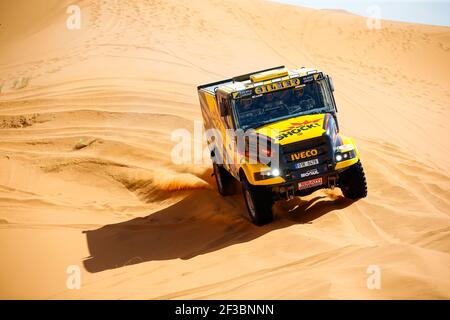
86,176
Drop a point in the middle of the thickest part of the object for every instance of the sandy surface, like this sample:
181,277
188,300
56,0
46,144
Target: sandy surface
139,226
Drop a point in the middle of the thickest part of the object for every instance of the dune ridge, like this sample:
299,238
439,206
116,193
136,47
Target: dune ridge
142,227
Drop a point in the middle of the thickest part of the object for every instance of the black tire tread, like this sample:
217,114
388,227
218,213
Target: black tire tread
353,182
228,182
263,202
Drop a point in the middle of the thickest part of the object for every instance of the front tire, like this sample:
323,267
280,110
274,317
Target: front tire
259,202
353,182
224,180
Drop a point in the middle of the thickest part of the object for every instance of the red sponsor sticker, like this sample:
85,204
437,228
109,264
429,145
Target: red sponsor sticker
310,183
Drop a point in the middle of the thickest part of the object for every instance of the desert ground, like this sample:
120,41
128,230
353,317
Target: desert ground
87,180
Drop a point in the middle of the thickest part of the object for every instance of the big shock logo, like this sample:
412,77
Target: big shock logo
298,128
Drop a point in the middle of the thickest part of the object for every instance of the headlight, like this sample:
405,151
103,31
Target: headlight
345,152
345,155
267,174
275,172
345,148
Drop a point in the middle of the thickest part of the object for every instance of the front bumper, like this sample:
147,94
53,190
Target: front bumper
302,185
306,160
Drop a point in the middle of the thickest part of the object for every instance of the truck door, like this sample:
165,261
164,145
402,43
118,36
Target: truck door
228,133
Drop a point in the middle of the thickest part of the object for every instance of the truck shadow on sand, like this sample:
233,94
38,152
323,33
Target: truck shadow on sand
202,222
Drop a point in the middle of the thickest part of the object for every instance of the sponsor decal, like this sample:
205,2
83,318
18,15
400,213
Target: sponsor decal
294,82
289,83
298,128
305,164
310,183
277,86
242,93
304,154
309,173
298,124
311,78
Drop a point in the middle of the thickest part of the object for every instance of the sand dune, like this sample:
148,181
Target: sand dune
142,227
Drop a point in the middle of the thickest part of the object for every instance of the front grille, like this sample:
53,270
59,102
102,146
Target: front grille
306,159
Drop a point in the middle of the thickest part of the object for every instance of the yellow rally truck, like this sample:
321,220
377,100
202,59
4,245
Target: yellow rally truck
293,112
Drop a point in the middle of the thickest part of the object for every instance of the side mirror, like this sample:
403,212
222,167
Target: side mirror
331,84
223,107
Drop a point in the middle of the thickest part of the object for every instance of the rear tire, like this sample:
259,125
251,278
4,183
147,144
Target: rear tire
259,202
224,180
353,182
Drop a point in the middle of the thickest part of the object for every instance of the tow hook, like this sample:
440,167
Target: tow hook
332,182
290,195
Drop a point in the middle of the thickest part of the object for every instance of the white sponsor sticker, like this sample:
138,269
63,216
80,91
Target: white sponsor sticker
312,172
305,164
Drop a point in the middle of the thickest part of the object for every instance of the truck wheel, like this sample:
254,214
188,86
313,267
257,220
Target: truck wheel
224,180
353,182
259,203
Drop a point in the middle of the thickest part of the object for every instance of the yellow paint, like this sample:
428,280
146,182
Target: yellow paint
294,129
283,132
251,169
346,163
263,76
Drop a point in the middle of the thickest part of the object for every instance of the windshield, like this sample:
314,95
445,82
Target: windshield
253,112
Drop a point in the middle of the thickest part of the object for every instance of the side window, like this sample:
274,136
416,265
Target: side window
332,128
327,95
228,121
220,99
